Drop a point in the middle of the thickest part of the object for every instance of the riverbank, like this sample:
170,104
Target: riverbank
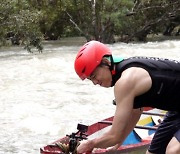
160,37
71,41
78,41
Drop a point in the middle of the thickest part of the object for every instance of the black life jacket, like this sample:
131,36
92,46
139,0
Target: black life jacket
165,74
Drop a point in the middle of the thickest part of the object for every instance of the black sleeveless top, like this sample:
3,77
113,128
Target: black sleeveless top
165,74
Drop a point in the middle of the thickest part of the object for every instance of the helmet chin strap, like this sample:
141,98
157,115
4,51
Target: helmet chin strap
111,67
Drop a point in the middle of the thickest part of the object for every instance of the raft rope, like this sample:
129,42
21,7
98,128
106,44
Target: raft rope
65,148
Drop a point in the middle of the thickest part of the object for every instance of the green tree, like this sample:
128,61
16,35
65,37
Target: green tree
96,19
129,19
28,22
151,17
19,23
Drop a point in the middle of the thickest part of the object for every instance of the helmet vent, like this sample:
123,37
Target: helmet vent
83,49
83,69
79,55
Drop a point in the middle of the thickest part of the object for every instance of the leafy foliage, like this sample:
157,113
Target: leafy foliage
28,22
19,23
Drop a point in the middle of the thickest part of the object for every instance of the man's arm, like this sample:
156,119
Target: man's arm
135,116
133,82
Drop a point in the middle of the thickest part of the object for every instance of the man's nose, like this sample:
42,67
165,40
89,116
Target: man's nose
95,81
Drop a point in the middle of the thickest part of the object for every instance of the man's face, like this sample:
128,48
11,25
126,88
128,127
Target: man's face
101,76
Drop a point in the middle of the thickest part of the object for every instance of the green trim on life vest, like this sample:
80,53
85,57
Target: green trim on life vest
117,59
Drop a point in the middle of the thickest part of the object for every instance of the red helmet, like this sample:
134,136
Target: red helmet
89,57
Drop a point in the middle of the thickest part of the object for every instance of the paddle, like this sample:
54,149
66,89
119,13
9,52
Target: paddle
152,113
140,127
145,112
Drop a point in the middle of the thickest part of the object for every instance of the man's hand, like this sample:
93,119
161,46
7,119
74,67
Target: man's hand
114,147
85,147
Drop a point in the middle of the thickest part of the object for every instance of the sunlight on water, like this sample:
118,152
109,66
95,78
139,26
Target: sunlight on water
42,99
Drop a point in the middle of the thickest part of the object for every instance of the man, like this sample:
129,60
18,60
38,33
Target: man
138,82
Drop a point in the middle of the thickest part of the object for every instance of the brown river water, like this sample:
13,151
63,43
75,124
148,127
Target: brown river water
42,99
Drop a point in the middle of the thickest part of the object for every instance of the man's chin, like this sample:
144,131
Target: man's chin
105,86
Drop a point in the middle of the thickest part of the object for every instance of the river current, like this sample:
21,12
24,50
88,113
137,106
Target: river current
42,98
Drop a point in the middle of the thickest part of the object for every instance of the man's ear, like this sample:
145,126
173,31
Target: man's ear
106,61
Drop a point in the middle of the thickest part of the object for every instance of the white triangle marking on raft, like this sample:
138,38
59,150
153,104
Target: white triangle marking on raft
142,133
